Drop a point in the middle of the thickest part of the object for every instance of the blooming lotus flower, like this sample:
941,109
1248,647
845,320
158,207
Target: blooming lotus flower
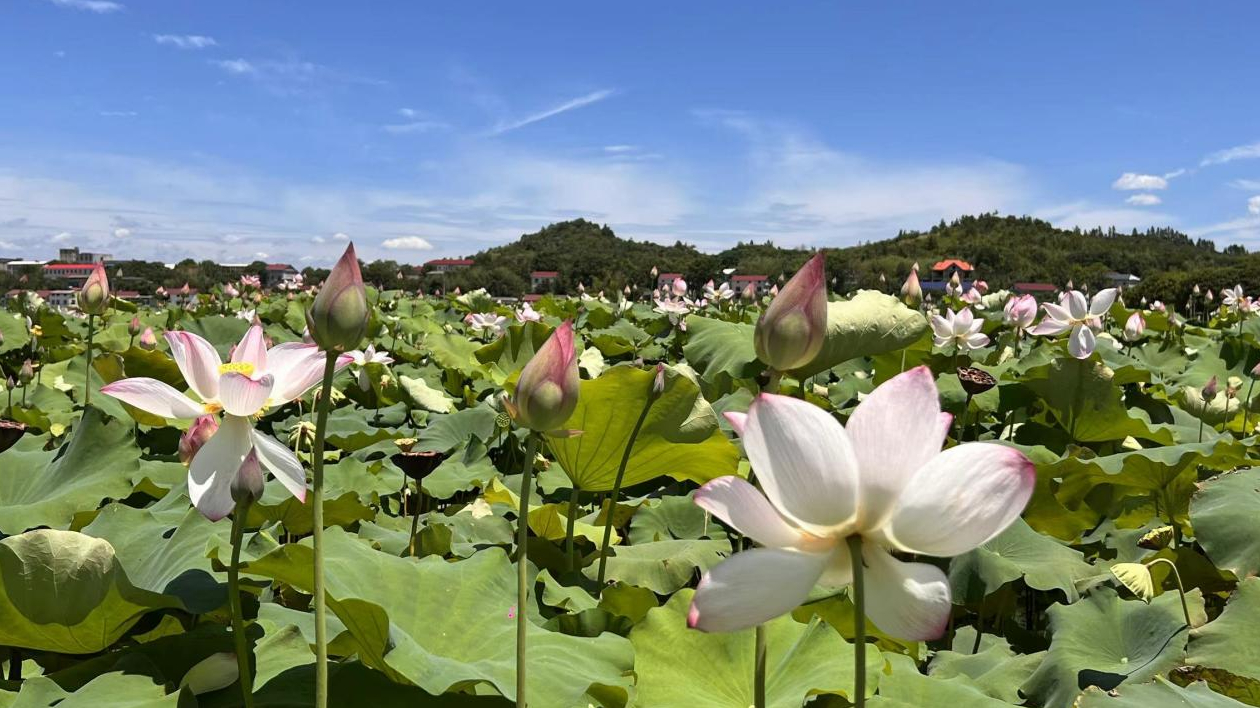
485,322
722,293
528,314
230,291
882,476
369,356
254,380
1080,317
1134,327
1158,306
961,329
93,298
1232,297
974,298
251,281
1020,311
790,332
247,314
676,310
982,286
547,390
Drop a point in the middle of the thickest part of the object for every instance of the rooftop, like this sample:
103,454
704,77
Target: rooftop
942,265
450,261
544,274
749,278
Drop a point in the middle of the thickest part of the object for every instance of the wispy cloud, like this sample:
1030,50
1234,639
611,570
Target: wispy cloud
100,7
1144,200
185,41
1246,184
1253,205
418,126
291,76
572,104
1132,181
119,114
407,243
239,67
1240,152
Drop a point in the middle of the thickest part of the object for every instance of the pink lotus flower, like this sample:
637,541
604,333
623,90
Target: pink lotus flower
486,323
147,339
254,380
527,313
1134,327
547,390
1079,317
960,329
882,476
230,291
790,333
679,287
251,281
94,296
1020,311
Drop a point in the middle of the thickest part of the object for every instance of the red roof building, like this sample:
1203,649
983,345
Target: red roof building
948,262
1033,288
442,265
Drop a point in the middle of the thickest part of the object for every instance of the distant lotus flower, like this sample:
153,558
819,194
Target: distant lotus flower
790,332
1020,311
485,322
251,281
253,381
368,356
1232,297
547,390
1195,289
230,291
160,292
1079,317
1134,327
678,287
1207,296
974,298
982,286
148,341
133,327
774,290
248,314
721,293
750,292
960,329
197,435
338,318
26,373
882,476
1210,389
528,314
912,290
655,272
676,310
94,296
1158,306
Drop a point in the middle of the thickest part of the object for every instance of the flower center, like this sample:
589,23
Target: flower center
237,367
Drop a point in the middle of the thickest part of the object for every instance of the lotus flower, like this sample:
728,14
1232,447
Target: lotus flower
974,298
721,293
678,287
1134,327
1233,297
676,310
884,477
251,281
961,329
197,435
1080,317
94,296
528,314
1020,311
338,318
790,333
547,390
254,380
369,356
911,290
134,326
230,291
148,341
486,322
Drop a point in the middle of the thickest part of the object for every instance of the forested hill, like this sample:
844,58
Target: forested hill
1004,250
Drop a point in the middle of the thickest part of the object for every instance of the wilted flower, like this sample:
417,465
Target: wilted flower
254,380
790,333
883,477
94,296
1020,311
961,329
975,381
1134,327
338,318
1079,317
547,390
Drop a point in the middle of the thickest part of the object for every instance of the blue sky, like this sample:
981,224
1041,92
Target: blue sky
235,128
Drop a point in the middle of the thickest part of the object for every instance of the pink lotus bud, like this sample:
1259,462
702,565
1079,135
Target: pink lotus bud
338,318
625,290
1207,296
655,272
1255,370
94,297
1134,327
198,434
547,390
789,334
230,290
774,290
26,374
658,383
133,327
679,287
982,286
160,292
911,290
247,485
148,341
185,290
750,292
1020,311
1209,389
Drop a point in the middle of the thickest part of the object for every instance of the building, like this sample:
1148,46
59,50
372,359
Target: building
540,280
54,298
73,273
1038,290
943,271
1121,280
278,273
760,283
17,265
74,255
664,280
445,265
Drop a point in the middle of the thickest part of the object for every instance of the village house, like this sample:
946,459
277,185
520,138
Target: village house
761,283
278,273
540,280
446,265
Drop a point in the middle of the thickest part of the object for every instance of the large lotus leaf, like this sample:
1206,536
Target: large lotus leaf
513,350
995,669
621,338
447,432
116,690
466,469
1157,695
1083,397
716,347
1017,552
442,625
47,488
867,324
671,517
223,332
905,687
662,566
1225,514
677,666
672,441
426,397
1148,470
67,592
455,352
70,375
14,333
45,408
1104,641
164,558
1230,642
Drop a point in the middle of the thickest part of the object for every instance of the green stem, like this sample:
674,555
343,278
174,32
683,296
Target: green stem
1200,430
522,560
1247,406
859,622
616,490
759,668
568,532
416,508
15,664
317,532
975,646
234,600
1181,590
87,381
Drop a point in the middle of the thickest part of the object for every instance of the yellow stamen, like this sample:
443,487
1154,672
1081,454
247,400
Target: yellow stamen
237,367
212,408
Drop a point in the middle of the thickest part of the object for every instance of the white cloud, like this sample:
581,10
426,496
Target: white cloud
341,237
1253,205
618,149
318,239
1084,215
419,126
238,67
185,41
261,256
62,237
579,102
122,233
1144,200
119,114
1133,180
100,7
1175,173
410,113
407,243
1241,152
1248,185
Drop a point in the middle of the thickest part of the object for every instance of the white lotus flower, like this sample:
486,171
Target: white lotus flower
1233,297
719,294
1134,327
677,311
1080,317
368,356
960,329
486,322
527,313
882,476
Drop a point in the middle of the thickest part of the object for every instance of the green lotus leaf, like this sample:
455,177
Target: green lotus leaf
1226,518
423,396
1230,642
996,669
867,324
1157,694
1018,552
905,687
715,347
664,566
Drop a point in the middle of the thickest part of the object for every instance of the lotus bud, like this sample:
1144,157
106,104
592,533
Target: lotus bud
750,292
955,283
1209,390
626,291
1208,295
581,288
26,374
1255,370
547,390
883,280
789,334
1134,327
911,291
1196,289
679,287
655,272
198,434
338,318
160,292
982,286
230,290
1070,286
1232,384
148,341
658,383
774,290
247,485
94,297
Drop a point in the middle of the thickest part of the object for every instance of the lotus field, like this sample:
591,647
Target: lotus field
342,496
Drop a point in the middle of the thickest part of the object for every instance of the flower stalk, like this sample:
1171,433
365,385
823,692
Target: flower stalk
522,571
859,622
234,597
317,530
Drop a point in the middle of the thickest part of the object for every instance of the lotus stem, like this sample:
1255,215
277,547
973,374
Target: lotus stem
859,622
522,559
416,508
1181,590
317,532
87,379
621,473
759,667
569,561
234,600
15,664
1247,406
